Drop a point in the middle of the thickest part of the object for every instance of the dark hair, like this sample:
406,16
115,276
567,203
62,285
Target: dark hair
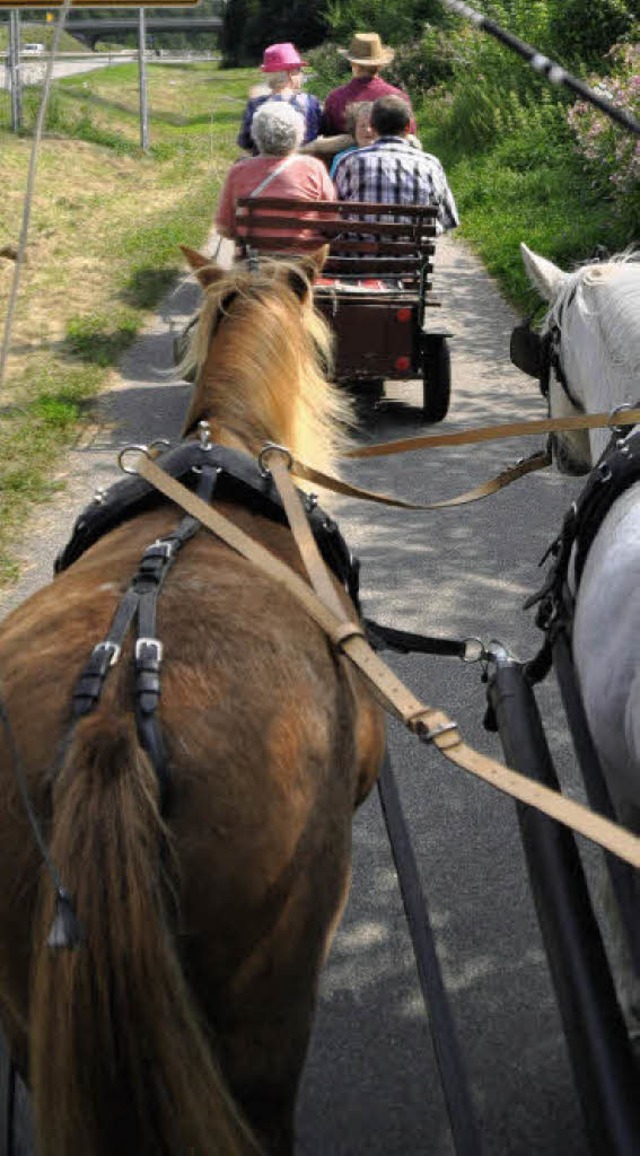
390,115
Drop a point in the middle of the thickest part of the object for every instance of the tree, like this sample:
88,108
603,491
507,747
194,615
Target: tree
250,25
584,32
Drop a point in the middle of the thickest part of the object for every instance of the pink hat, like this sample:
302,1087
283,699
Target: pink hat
280,58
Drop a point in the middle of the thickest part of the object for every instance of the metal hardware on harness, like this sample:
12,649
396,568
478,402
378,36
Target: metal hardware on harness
621,430
140,449
474,651
271,447
253,260
429,736
112,648
204,435
143,644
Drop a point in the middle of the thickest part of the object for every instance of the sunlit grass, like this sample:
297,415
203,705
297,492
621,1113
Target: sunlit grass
107,221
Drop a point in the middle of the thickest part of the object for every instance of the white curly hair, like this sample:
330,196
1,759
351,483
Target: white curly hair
277,128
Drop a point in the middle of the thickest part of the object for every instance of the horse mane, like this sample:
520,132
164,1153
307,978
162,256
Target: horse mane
606,295
260,354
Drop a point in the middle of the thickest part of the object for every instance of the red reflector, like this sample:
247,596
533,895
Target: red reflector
402,363
403,314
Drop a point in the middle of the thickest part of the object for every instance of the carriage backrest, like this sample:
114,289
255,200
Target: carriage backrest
365,238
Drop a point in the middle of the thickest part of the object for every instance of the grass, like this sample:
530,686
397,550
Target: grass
32,32
106,223
529,185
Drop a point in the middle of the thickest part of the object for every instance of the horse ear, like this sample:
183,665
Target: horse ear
313,263
546,277
311,266
204,268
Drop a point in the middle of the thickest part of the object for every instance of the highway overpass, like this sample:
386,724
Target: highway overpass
91,31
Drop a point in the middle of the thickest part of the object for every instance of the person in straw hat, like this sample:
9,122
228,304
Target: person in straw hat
282,68
367,55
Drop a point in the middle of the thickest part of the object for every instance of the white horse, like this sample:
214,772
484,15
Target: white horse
591,335
594,317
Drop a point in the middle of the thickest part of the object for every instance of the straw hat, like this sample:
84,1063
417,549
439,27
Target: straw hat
281,58
367,48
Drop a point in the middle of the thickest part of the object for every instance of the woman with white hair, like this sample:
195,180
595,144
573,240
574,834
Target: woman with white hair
282,67
277,171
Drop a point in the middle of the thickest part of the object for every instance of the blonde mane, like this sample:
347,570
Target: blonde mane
260,354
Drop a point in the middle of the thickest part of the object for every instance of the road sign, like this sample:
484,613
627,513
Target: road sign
97,4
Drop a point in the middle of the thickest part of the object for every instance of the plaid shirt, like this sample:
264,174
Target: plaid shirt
392,172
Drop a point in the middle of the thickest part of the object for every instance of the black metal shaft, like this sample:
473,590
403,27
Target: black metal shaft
7,1099
623,877
464,1128
601,1055
540,63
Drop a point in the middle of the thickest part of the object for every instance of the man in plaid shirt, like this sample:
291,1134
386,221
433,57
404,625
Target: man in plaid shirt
392,171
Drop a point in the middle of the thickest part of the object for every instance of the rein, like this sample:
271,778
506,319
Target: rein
321,602
537,461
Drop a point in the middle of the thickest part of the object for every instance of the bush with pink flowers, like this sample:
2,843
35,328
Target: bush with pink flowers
612,154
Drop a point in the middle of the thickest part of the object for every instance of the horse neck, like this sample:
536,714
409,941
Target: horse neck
262,389
606,345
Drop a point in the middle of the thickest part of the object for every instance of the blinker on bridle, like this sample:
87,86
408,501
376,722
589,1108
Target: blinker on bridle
537,354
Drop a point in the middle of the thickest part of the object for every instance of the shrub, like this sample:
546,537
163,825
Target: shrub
587,31
612,154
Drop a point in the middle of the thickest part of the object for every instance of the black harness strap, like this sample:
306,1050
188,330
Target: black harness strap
140,603
404,642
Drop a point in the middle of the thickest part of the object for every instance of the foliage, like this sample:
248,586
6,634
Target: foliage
329,68
249,26
509,146
584,32
616,153
396,23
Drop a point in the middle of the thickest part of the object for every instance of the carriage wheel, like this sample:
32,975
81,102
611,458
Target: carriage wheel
436,377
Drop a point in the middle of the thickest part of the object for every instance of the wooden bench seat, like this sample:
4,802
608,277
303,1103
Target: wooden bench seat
365,239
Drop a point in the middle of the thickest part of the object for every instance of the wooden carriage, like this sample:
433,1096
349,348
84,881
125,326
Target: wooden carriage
376,286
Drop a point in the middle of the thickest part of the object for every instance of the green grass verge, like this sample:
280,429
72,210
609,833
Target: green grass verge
531,186
194,117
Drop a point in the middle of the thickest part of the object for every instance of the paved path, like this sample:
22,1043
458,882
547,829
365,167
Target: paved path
371,1083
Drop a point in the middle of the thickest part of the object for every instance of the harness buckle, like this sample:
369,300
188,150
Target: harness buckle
153,644
428,736
111,649
162,547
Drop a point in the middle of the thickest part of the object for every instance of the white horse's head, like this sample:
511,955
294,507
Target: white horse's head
591,337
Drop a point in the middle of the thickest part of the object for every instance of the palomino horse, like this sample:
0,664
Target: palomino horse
179,1024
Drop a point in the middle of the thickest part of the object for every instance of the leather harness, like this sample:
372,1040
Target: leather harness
204,468
617,470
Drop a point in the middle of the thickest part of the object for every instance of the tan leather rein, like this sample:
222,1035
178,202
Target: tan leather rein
537,461
323,605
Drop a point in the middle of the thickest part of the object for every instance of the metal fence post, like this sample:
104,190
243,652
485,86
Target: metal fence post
142,73
13,64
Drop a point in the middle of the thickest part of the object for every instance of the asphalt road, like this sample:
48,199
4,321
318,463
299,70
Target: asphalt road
371,1083
33,67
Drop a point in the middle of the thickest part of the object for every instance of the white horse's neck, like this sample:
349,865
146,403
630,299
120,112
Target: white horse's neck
599,318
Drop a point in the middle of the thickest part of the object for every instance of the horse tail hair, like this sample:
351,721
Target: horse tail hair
120,1058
